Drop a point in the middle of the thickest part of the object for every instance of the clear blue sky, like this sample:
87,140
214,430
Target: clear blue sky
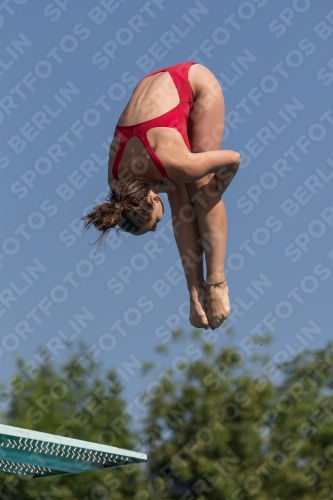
67,71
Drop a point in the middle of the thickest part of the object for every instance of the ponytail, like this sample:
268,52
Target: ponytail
127,207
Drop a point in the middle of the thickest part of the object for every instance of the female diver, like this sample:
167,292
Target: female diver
168,139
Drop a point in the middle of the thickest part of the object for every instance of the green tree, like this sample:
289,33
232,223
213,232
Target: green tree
219,428
216,426
301,428
74,400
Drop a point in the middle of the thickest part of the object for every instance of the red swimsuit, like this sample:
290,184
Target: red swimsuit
176,118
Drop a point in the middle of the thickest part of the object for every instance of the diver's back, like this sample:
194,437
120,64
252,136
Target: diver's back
152,97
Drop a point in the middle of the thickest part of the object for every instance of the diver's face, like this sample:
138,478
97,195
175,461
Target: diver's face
158,211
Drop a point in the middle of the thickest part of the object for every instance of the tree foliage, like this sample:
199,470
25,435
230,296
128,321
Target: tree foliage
219,428
216,426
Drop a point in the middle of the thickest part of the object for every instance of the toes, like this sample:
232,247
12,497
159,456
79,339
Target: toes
197,323
216,322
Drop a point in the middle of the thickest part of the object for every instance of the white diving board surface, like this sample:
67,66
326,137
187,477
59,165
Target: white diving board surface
39,455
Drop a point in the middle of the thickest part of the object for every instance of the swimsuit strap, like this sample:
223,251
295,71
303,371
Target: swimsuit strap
126,133
122,145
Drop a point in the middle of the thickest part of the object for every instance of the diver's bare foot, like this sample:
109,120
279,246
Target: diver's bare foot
198,315
218,304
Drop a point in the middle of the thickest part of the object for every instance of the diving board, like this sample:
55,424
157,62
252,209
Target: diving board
39,455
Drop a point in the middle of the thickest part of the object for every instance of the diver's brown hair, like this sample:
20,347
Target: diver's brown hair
127,206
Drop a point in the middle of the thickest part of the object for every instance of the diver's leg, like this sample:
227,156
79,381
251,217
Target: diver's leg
190,250
206,126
